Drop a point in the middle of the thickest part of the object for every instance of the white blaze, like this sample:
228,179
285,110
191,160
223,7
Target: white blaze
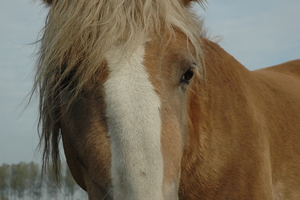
134,126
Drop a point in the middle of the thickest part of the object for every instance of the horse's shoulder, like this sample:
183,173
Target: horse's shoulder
281,81
291,68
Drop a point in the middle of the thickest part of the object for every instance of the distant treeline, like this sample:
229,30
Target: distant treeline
26,181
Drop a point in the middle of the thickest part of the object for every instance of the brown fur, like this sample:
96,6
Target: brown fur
243,140
229,134
244,136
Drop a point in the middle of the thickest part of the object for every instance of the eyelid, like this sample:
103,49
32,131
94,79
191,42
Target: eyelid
193,65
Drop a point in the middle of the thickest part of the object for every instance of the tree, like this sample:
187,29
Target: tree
34,181
26,181
70,184
4,178
52,184
18,181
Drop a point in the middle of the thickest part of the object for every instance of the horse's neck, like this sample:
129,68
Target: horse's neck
215,105
223,91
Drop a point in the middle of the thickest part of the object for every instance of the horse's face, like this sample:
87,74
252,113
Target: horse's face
125,134
130,128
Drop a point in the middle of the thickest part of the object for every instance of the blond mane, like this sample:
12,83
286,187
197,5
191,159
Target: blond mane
77,35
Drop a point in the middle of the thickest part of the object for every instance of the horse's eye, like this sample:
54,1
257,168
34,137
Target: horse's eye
187,76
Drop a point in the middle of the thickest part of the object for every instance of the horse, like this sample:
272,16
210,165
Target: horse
147,107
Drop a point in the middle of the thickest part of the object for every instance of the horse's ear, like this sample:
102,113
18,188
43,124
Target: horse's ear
188,2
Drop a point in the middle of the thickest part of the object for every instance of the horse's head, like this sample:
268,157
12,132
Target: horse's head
119,72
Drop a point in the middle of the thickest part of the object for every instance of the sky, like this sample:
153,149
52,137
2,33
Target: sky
257,33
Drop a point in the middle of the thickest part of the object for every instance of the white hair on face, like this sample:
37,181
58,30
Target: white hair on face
134,126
